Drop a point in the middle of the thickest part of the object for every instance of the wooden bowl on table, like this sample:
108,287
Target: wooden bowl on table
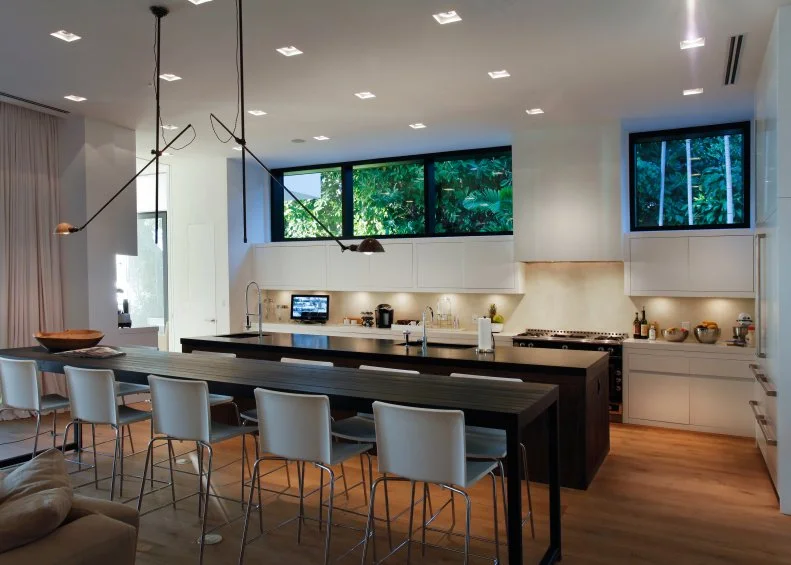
68,339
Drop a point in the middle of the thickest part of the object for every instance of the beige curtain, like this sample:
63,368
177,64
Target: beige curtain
30,284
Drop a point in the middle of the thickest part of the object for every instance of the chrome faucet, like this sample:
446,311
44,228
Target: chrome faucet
425,332
247,312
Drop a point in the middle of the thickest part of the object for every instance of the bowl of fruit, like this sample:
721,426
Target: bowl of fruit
675,334
707,332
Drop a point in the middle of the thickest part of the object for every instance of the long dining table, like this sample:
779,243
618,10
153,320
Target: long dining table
496,404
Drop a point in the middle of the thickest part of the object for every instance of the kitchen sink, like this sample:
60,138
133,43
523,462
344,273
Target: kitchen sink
439,345
241,335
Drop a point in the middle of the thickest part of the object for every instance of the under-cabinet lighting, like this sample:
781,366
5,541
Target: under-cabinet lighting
321,138
693,43
693,91
75,98
289,51
499,74
66,36
447,17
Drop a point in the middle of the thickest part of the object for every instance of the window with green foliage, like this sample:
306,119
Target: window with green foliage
695,178
454,193
320,191
474,195
389,199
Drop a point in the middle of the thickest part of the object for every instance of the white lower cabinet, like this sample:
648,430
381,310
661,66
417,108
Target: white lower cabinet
706,392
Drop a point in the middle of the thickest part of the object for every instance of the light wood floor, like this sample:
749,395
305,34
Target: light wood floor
662,497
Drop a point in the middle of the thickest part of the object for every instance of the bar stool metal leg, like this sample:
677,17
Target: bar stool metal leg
38,427
95,464
54,427
115,462
172,482
121,455
329,511
206,503
411,522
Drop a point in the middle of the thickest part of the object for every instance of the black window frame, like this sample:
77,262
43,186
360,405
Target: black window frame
277,199
743,128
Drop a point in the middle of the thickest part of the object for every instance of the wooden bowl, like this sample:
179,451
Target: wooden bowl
69,339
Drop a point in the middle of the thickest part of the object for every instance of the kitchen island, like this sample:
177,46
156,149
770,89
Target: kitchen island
582,377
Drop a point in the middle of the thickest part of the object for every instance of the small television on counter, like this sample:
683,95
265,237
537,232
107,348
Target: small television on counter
310,308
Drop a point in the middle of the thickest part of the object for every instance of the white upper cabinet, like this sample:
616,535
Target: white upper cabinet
394,268
678,264
345,267
295,266
567,193
489,265
440,264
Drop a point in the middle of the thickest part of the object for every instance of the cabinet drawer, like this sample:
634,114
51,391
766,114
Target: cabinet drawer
659,364
660,398
733,368
722,404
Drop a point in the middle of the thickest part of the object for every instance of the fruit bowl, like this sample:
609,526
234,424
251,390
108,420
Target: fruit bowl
707,335
68,340
675,334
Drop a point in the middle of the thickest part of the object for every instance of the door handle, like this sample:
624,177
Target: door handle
212,321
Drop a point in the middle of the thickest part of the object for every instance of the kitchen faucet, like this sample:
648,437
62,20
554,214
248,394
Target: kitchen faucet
425,333
247,312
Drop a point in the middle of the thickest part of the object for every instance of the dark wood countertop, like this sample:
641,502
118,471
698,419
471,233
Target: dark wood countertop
548,361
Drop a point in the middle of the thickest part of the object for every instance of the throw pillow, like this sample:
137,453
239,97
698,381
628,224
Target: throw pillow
47,471
26,519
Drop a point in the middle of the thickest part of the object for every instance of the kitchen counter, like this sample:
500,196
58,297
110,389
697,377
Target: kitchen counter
689,345
582,377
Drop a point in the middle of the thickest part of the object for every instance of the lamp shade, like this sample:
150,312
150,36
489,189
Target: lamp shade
65,228
370,245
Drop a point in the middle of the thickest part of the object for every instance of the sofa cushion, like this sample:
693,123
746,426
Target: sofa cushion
33,516
45,472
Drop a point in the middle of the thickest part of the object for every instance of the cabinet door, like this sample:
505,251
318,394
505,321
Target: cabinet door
721,263
660,398
440,265
269,272
294,267
489,265
393,269
723,404
659,264
347,271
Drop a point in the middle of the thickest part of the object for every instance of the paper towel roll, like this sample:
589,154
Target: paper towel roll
484,334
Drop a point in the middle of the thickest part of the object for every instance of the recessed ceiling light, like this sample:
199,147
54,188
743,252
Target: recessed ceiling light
237,148
199,2
364,95
499,74
693,43
169,127
166,154
169,77
693,91
417,125
321,138
534,111
257,112
66,36
447,17
289,51
75,98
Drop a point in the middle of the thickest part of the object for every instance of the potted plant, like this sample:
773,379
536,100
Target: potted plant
497,319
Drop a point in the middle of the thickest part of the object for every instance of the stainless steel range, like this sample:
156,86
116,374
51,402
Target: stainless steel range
611,343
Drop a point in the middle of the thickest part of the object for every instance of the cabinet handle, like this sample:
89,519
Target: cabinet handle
763,380
760,419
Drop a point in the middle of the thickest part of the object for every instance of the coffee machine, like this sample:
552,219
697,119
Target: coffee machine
384,316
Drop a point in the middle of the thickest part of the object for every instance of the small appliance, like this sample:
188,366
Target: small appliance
384,316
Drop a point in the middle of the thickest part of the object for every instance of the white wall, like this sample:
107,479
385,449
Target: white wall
567,193
96,159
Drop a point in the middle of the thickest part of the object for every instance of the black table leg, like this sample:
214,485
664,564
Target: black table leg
553,553
514,485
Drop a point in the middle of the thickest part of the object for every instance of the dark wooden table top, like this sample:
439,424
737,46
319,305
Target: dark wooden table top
549,361
484,401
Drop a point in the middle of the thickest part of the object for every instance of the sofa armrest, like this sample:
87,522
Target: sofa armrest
93,540
83,506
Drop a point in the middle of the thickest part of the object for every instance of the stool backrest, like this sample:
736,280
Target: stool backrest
307,362
19,384
388,369
421,444
482,377
92,395
294,426
181,408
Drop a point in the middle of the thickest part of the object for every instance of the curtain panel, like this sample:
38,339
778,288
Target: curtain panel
30,279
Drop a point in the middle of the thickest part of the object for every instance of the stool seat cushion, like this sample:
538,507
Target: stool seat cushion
125,389
127,415
356,428
217,399
53,402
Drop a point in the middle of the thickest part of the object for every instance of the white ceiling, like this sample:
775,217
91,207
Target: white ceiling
579,60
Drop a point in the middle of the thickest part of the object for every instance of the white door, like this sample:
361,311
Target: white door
200,317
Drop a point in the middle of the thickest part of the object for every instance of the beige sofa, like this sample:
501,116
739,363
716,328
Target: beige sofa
43,522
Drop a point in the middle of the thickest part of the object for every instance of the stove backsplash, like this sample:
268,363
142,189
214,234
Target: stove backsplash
571,296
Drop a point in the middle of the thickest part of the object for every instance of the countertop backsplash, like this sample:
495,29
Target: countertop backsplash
570,296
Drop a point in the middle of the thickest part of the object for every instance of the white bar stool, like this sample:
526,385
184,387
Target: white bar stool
489,444
296,427
181,411
20,390
93,400
427,446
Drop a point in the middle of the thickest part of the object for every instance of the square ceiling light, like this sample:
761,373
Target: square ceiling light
169,77
365,95
534,111
447,17
169,127
692,91
199,2
499,74
693,43
289,51
418,125
66,36
75,98
257,112
321,138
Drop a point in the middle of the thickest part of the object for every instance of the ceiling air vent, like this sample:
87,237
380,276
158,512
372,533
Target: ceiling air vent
735,46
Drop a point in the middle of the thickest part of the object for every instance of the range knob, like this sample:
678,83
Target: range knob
618,389
531,345
565,347
601,349
610,349
617,372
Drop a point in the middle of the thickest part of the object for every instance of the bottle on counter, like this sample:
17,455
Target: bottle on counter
643,326
636,326
653,329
